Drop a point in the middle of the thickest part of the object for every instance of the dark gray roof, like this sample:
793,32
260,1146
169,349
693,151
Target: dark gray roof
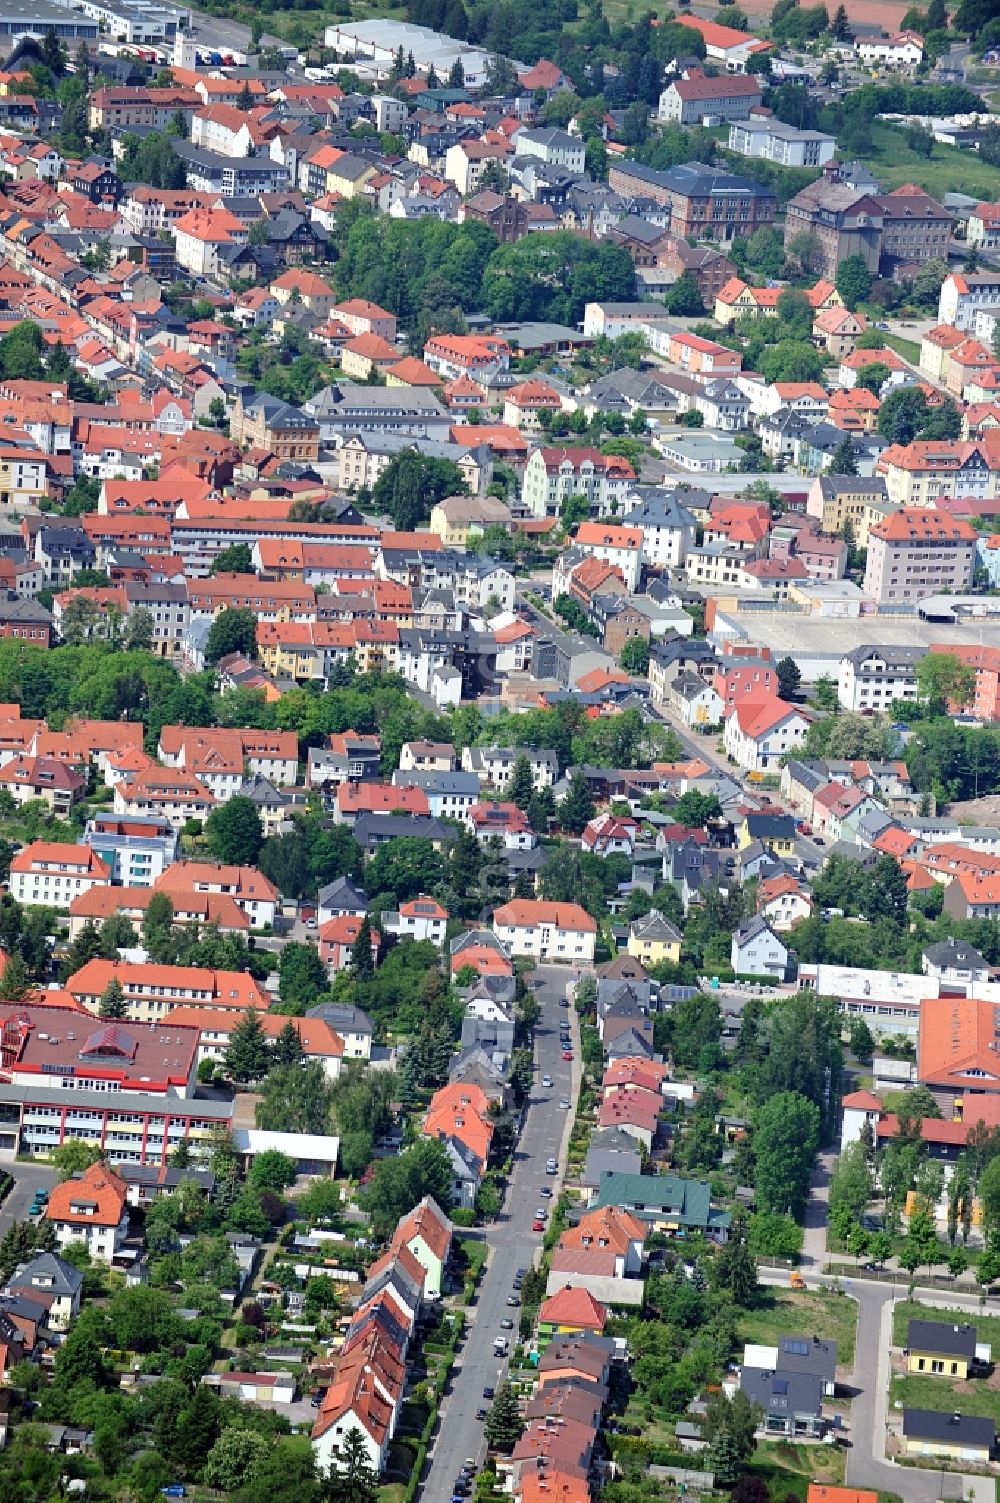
808,1354
783,1392
953,1429
955,952
941,1336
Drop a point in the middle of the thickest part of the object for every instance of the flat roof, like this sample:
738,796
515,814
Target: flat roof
164,1104
804,635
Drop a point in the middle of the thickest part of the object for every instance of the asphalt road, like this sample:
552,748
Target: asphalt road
512,1244
27,1179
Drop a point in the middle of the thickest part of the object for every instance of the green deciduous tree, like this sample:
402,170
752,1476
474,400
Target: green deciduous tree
785,1140
232,631
412,484
398,1184
236,559
234,832
302,978
854,281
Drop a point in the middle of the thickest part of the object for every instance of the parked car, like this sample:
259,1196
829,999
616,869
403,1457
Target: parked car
488,1392
506,1325
538,1226
546,1080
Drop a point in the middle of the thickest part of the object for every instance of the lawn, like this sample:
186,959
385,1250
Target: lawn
987,1326
786,1312
894,163
919,1391
788,1469
908,348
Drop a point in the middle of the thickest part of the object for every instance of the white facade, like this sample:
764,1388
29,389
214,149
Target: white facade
763,752
53,884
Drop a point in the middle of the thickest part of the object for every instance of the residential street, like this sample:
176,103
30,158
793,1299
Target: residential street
511,1242
869,1417
27,1179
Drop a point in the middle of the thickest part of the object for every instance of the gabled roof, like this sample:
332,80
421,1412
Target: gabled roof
573,1307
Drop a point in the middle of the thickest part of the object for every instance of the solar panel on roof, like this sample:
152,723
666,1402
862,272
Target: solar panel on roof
795,1345
780,1385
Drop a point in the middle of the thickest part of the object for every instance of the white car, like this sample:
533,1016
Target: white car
546,1080
564,1105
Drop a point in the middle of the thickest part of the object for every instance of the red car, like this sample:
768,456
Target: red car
567,1054
538,1226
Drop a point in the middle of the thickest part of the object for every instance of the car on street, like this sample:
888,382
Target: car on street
563,1002
480,1414
512,1301
567,1054
563,1105
545,1191
506,1324
551,1167
500,1347
488,1392
541,1212
546,1080
521,1272
538,1226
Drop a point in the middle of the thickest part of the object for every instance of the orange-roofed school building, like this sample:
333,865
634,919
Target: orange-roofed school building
151,991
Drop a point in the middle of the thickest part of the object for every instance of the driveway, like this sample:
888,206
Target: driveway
511,1242
27,1179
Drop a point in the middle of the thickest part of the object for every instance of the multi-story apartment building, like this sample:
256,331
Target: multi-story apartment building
842,220
871,678
52,874
917,552
917,474
915,227
964,293
551,476
838,499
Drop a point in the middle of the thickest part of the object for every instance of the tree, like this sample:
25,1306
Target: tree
873,376
504,1426
354,1480
236,559
852,1183
232,631
843,461
74,1156
362,960
634,656
273,1170
287,1047
157,927
141,630
577,809
785,1140
302,977
695,809
295,1098
412,484
520,786
723,1458
234,832
247,1053
885,892
15,982
113,1003
235,1459
854,281
684,298
902,414
789,678
944,682
398,1184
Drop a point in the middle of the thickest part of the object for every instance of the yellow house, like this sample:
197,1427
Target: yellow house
653,938
940,1348
456,517
954,1437
776,831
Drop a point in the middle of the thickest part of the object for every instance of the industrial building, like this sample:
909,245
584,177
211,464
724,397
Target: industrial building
381,40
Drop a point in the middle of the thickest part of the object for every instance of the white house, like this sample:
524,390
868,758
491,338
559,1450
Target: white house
757,951
90,1208
563,933
422,918
758,735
